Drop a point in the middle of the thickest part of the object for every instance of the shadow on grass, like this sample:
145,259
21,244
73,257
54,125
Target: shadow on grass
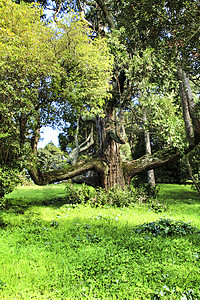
19,206
179,193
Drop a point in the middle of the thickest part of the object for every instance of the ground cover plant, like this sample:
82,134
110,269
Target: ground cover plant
51,248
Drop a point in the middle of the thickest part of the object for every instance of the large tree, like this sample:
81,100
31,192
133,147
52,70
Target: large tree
154,44
134,27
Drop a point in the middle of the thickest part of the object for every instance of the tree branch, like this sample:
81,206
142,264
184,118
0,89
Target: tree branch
148,162
58,8
106,13
43,178
84,146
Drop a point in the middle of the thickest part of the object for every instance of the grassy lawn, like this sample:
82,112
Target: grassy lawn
53,250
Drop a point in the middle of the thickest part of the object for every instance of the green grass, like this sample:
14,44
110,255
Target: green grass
60,251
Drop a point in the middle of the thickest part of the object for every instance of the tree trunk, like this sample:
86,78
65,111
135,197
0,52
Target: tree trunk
187,104
191,174
150,173
114,173
109,152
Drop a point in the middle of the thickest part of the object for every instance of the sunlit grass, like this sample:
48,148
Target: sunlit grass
63,251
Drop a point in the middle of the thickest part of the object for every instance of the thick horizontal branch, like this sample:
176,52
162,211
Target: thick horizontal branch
148,162
43,178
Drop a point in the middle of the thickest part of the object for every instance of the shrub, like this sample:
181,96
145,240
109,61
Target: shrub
157,207
146,192
115,196
9,179
121,197
174,293
2,222
77,195
167,227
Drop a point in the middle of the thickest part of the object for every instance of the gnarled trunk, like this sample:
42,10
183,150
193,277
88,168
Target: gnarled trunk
109,151
114,173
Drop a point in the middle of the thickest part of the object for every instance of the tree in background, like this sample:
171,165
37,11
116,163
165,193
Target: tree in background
26,60
50,158
42,69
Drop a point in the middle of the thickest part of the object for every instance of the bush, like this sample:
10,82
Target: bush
79,195
9,179
2,222
167,227
157,207
120,197
172,293
115,196
146,192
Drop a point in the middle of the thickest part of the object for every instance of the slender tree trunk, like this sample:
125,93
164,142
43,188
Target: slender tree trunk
150,173
191,173
187,104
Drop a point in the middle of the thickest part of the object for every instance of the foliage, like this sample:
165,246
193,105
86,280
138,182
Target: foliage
125,152
172,26
115,196
157,206
157,99
77,195
51,157
148,43
48,57
26,60
9,178
145,190
166,292
166,227
99,197
85,67
44,69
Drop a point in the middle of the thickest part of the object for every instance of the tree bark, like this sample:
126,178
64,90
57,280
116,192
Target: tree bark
187,105
114,173
150,173
191,174
110,151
